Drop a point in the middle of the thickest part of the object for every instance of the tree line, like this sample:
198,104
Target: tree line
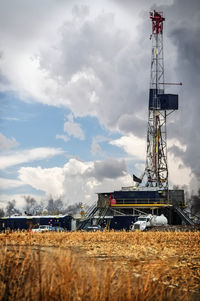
32,207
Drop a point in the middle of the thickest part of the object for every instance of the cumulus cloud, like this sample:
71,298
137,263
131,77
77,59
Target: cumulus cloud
77,181
109,168
24,156
132,145
6,143
73,129
48,180
92,177
179,173
100,78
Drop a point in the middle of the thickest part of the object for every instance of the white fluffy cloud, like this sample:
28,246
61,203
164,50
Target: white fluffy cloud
24,156
77,181
92,67
132,145
48,180
179,173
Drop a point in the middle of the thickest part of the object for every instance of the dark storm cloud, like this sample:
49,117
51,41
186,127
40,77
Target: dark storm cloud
109,168
184,20
128,123
137,5
182,63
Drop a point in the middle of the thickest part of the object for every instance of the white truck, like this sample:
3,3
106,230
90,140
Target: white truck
148,221
43,228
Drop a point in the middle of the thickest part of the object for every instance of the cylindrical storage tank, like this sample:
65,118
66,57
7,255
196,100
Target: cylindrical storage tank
160,220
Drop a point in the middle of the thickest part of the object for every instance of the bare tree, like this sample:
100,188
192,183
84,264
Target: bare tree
30,206
54,206
73,209
58,207
11,210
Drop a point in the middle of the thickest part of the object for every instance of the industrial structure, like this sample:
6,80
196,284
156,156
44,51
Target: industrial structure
151,195
160,106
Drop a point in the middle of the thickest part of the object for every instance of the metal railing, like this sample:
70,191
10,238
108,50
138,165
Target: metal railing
142,201
184,216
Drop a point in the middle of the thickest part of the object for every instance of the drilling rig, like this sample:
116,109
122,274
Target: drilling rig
160,106
151,195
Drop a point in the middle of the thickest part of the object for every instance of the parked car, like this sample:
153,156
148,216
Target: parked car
94,228
58,229
43,228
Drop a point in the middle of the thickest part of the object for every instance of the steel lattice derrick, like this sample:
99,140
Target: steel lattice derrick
156,159
160,106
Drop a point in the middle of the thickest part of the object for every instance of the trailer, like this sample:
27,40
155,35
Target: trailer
30,222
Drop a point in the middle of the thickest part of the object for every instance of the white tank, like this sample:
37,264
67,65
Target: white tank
158,220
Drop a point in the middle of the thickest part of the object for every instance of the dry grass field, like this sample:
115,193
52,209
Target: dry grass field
100,266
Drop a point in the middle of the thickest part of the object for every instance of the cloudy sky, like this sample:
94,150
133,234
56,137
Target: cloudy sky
74,80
